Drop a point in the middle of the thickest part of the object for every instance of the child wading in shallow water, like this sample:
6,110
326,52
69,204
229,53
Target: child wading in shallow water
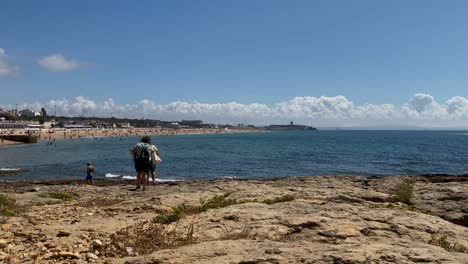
89,173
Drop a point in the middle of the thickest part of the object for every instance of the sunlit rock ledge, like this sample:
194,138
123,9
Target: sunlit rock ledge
333,219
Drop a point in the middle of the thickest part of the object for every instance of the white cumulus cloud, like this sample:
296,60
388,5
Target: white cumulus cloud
59,63
6,67
422,110
458,106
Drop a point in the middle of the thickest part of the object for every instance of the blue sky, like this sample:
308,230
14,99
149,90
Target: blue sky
377,52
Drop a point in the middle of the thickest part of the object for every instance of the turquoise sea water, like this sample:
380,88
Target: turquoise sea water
250,155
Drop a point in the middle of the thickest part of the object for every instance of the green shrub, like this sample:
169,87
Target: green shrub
8,206
403,192
280,199
443,242
218,201
64,195
192,209
167,218
459,248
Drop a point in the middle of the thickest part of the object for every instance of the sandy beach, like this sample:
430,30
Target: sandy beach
73,134
295,220
51,134
6,143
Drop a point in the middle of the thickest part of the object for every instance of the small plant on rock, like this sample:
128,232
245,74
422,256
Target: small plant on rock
280,199
403,192
245,233
9,207
368,232
443,242
218,201
174,216
64,195
147,237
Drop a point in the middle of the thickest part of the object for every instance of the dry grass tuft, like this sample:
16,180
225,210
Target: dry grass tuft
147,237
100,202
218,201
244,233
43,203
171,217
403,192
442,241
63,195
9,208
280,199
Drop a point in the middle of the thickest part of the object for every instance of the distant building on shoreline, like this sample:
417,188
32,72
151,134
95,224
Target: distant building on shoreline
289,127
12,125
29,113
194,124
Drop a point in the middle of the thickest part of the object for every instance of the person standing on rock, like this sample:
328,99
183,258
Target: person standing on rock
141,153
155,160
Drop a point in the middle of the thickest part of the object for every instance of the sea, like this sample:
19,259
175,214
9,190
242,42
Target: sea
246,155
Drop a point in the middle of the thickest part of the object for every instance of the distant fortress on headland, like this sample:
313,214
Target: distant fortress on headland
291,126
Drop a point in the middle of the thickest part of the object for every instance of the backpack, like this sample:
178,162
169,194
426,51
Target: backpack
145,154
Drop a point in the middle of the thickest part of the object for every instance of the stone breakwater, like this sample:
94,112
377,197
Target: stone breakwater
295,220
20,138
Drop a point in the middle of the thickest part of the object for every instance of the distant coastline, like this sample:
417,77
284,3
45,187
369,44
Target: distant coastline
51,134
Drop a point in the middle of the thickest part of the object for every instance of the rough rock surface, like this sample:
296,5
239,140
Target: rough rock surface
331,220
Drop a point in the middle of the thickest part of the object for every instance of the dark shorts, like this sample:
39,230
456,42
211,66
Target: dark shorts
142,165
153,167
89,177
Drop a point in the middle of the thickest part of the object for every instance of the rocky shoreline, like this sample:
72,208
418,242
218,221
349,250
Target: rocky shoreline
339,219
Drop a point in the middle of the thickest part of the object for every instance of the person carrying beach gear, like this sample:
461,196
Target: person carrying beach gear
89,173
142,158
155,160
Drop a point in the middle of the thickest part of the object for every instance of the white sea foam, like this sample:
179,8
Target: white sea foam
111,175
228,177
5,181
158,180
167,180
10,169
128,177
125,177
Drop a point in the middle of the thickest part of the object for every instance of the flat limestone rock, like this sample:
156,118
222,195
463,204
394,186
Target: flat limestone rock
332,219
